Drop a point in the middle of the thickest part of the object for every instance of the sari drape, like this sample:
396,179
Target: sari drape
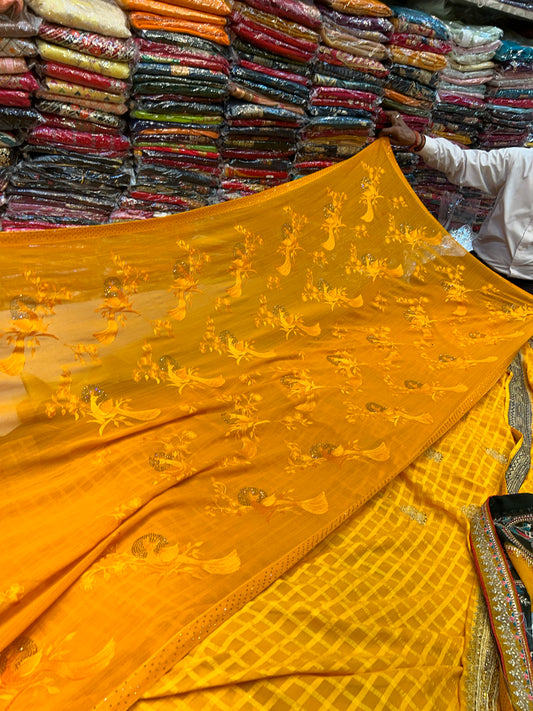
190,404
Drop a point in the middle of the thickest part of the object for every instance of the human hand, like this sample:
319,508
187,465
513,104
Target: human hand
398,132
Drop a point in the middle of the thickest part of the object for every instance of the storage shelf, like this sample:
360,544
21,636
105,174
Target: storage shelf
502,7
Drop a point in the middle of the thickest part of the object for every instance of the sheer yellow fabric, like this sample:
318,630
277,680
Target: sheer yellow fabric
190,404
383,615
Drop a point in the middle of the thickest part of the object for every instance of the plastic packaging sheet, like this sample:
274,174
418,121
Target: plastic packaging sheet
43,135
79,91
277,85
370,66
288,76
15,47
182,40
19,82
510,50
217,7
430,25
246,94
253,52
150,84
151,51
421,43
15,98
410,87
328,80
179,71
334,71
381,26
423,76
424,60
204,30
74,58
100,16
170,105
103,106
347,42
9,140
472,35
54,121
372,8
177,12
64,72
254,111
273,41
68,110
13,118
114,48
13,65
24,24
295,10
292,29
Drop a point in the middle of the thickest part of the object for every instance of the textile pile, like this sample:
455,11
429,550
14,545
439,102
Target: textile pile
76,161
419,48
509,114
177,109
274,41
459,113
348,74
18,28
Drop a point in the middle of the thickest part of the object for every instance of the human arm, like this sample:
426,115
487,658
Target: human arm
485,170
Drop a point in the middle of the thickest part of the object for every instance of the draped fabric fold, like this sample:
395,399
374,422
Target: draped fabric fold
189,404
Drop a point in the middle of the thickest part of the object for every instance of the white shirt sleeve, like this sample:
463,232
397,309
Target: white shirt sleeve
485,170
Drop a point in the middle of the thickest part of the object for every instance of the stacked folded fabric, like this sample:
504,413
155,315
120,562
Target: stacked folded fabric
274,41
418,45
75,163
348,74
509,108
458,113
177,108
18,27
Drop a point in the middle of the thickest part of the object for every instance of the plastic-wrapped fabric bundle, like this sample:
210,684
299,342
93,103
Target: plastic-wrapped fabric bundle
85,75
508,116
371,8
419,48
276,35
103,17
463,83
269,88
39,197
176,113
349,69
18,84
204,30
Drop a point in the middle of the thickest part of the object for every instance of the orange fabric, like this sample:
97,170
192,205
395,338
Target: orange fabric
189,404
150,21
176,12
217,7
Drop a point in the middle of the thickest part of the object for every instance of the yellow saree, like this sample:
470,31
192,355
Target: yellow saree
189,405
